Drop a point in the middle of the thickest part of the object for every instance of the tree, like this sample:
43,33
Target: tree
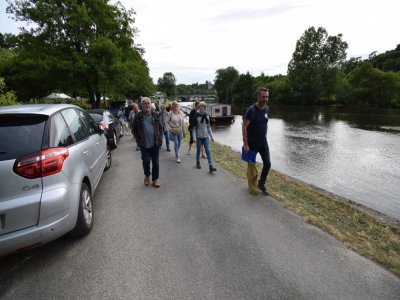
183,89
6,56
223,83
6,97
373,87
278,90
243,90
167,84
77,46
195,88
388,61
351,64
312,71
8,41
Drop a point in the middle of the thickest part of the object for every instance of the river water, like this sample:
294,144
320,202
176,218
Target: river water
350,152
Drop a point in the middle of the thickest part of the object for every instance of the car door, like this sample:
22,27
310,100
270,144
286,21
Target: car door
97,138
21,138
87,146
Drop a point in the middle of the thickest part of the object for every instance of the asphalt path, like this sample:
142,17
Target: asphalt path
199,236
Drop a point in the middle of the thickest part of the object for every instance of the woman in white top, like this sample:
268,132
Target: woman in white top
176,125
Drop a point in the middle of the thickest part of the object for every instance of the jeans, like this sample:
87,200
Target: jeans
153,155
264,153
206,143
166,134
176,138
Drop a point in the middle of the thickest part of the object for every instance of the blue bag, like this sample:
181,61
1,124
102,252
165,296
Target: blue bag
249,157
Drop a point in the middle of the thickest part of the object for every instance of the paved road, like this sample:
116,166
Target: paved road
198,236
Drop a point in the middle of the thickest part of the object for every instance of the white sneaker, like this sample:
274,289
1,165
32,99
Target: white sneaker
189,152
178,160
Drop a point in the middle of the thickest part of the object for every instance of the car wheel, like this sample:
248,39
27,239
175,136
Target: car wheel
84,222
114,142
108,159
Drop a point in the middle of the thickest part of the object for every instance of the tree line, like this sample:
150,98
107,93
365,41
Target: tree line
88,49
84,48
319,74
167,85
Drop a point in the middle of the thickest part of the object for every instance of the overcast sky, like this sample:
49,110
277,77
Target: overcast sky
194,38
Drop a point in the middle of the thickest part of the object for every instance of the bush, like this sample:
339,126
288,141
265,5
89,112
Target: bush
6,98
82,104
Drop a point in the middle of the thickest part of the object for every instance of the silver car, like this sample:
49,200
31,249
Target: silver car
52,158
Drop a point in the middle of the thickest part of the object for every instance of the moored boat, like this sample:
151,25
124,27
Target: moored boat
220,113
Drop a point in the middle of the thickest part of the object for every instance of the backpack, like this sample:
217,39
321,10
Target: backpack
192,119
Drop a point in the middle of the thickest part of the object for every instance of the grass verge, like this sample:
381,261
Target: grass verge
358,230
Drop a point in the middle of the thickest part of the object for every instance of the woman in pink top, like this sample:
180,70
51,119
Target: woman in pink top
176,125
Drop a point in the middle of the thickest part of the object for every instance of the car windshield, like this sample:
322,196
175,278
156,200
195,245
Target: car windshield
20,135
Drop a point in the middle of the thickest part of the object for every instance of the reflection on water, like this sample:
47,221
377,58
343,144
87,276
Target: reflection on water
352,153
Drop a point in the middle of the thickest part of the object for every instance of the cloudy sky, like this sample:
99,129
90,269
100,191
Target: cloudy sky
194,38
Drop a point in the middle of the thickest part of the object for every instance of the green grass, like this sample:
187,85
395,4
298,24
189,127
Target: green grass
358,230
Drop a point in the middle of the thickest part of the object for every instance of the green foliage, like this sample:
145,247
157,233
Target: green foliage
84,48
6,97
8,41
183,89
278,90
351,64
6,56
244,90
388,61
195,88
312,71
224,82
81,104
167,84
373,87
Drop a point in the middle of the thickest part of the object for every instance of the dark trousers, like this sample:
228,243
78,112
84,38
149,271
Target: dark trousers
151,154
191,136
264,153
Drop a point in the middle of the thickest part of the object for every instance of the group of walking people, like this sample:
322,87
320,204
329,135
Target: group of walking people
150,127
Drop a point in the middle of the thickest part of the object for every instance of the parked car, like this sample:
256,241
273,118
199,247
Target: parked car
52,157
114,106
111,125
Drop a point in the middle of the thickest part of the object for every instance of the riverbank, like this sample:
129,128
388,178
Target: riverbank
371,234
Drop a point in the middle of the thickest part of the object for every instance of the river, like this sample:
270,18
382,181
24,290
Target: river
354,153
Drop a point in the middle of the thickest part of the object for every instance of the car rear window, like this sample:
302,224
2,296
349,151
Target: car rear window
20,135
97,117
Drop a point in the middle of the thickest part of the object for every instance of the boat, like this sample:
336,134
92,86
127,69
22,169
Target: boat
220,113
